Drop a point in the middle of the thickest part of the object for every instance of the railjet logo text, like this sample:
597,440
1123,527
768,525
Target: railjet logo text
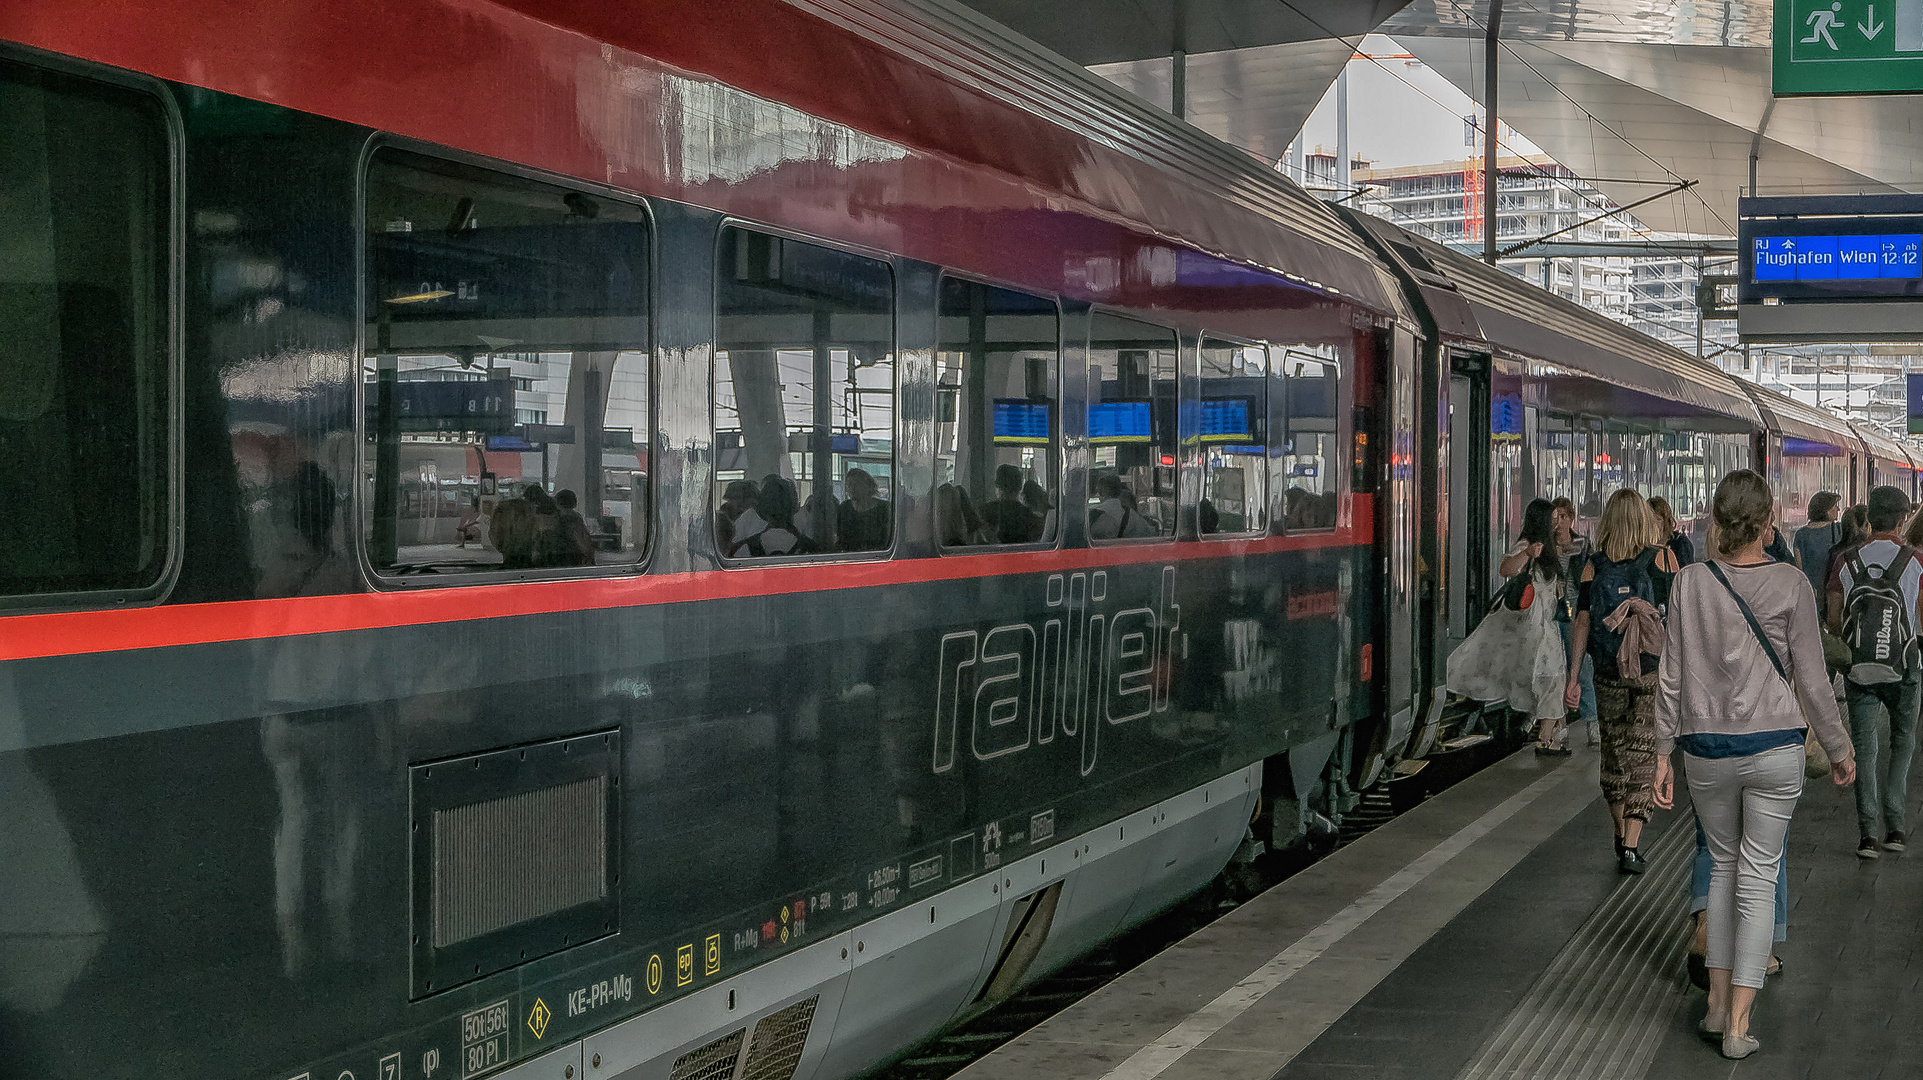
1079,667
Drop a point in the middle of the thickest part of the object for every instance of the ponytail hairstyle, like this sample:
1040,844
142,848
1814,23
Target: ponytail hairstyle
1742,509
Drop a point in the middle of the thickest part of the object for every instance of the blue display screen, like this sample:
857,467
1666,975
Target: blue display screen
1837,258
1794,447
1118,422
1226,420
1021,421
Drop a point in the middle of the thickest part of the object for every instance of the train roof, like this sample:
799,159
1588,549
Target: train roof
966,47
896,127
1473,302
1791,418
1882,446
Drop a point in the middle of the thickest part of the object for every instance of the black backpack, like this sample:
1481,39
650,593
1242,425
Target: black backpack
1876,621
1615,583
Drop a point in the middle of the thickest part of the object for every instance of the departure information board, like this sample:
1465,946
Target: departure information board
1837,258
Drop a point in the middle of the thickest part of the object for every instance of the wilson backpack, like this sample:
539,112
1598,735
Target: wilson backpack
1876,621
1614,583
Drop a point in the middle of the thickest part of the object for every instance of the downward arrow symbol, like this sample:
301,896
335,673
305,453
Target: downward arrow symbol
1870,29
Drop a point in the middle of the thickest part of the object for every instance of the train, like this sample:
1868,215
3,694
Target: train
709,541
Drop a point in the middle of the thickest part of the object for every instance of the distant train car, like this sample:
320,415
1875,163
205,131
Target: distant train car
665,542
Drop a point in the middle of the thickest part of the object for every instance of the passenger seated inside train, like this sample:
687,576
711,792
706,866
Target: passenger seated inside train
1041,504
1115,515
865,521
956,518
575,544
1007,519
737,499
768,527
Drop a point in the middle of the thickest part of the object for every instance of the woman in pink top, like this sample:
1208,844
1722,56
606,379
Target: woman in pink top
1741,681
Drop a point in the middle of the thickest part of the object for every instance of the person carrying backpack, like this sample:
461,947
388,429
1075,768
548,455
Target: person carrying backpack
1617,623
1873,607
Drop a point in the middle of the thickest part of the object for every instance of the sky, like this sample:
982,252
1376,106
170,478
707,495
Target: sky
1401,112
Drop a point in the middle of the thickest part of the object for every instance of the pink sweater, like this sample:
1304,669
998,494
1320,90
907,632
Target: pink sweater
1715,677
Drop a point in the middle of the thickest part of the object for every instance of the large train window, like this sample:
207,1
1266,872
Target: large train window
1231,423
804,399
507,372
995,422
85,257
1305,482
1131,429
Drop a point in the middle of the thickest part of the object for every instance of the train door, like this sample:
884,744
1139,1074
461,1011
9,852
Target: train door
1469,490
1400,550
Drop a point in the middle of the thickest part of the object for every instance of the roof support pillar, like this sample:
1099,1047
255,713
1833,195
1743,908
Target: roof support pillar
1489,217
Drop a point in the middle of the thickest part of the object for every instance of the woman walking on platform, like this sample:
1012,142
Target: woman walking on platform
1618,623
1740,682
1515,653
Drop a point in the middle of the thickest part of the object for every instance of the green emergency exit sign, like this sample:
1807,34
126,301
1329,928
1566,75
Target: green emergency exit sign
1848,47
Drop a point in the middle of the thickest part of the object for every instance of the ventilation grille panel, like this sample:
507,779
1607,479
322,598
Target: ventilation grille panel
507,861
779,1038
715,1061
516,856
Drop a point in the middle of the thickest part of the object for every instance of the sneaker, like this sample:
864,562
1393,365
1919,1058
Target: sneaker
1631,861
1867,849
1894,841
1595,734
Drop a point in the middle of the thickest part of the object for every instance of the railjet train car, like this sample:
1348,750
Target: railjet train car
661,540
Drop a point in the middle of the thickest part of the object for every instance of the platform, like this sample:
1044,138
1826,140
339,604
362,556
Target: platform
1487,934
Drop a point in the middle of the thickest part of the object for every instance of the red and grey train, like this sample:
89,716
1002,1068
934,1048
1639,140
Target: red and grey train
655,540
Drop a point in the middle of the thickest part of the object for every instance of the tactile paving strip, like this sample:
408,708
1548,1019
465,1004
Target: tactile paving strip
1599,1012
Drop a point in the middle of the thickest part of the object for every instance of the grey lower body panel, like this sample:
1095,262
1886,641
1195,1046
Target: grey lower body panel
883,986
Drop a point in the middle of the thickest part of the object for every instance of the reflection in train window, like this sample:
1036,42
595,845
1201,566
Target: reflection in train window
1304,493
1131,429
1232,426
84,196
804,399
507,376
995,422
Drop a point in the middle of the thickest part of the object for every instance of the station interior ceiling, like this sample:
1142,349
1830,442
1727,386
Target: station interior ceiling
1623,92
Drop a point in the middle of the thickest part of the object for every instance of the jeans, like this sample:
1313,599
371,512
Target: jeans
1744,804
1893,784
1586,676
1699,883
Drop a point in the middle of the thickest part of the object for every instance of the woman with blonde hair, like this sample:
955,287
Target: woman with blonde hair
1624,583
1738,690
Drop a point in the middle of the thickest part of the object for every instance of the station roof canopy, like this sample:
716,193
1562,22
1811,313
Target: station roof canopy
1617,90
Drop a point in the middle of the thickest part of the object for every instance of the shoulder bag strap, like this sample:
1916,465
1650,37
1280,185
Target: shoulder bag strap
1750,618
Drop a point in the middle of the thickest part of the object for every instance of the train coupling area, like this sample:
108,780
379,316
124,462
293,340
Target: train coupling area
1488,934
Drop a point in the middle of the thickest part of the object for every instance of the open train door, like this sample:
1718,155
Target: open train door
1398,542
1468,415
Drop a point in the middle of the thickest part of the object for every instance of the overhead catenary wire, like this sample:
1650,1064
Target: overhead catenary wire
1355,48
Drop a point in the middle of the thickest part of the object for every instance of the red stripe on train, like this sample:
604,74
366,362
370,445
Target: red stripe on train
26,637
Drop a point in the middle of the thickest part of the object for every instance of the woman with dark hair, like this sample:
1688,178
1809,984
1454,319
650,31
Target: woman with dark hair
1818,537
1854,530
1740,684
1516,653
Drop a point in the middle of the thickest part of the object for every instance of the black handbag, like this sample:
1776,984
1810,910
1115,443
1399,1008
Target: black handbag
1517,593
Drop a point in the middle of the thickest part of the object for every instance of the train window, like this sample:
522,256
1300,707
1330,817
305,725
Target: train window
1131,429
1305,484
804,399
1232,426
995,421
85,197
507,376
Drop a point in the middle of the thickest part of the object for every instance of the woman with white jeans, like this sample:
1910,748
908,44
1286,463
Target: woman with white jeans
1741,680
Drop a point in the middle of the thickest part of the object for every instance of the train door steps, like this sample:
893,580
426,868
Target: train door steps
1243,995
